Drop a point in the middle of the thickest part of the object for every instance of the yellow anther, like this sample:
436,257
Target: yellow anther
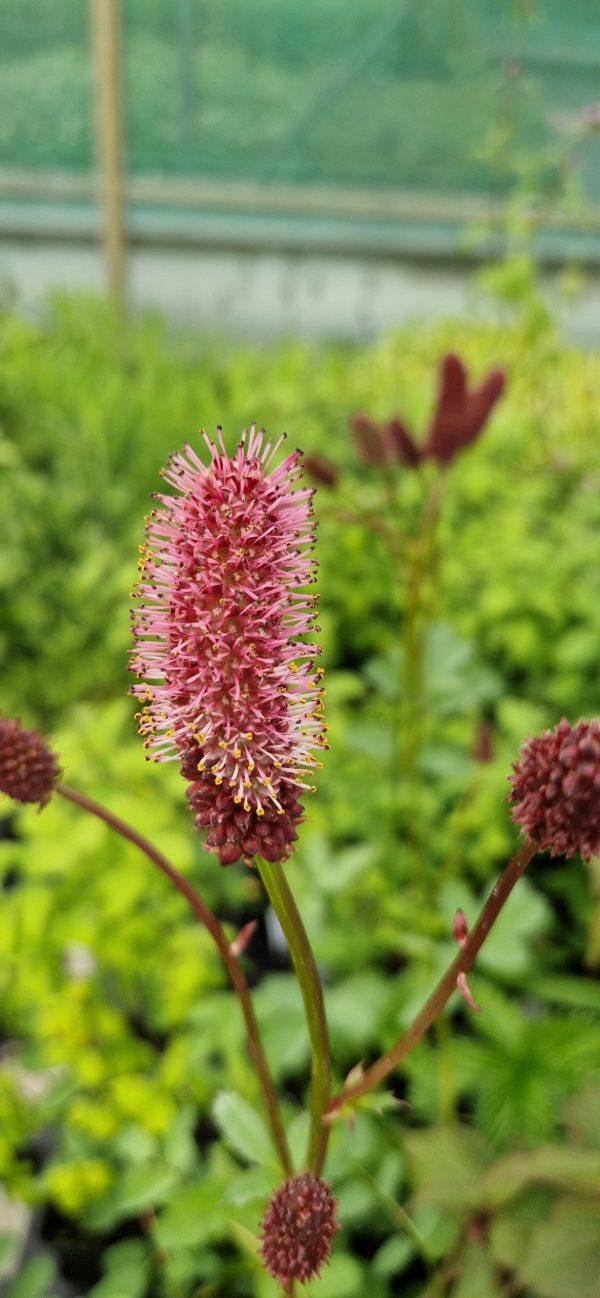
277,764
201,766
237,799
251,765
237,752
222,743
260,811
248,735
218,779
246,784
246,805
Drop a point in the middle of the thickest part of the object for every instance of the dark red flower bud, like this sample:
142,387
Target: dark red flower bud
556,789
460,415
399,444
369,440
321,470
483,745
460,928
29,771
297,1229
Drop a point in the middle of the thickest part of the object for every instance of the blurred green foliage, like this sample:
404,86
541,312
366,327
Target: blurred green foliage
123,1053
270,91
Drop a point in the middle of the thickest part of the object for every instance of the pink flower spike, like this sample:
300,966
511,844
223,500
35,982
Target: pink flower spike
227,678
463,987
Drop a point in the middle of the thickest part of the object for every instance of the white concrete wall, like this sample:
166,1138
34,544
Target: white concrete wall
254,294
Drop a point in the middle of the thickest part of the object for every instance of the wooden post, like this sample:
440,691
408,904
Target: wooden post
105,21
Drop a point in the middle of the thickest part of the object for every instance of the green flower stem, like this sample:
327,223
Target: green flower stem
282,901
421,583
447,984
232,964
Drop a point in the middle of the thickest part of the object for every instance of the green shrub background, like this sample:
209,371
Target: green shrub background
124,1052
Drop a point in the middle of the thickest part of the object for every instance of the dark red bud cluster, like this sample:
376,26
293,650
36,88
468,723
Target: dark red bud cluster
234,833
321,470
29,771
457,420
298,1228
555,789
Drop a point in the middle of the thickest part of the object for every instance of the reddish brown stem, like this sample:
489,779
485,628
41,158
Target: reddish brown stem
447,984
232,964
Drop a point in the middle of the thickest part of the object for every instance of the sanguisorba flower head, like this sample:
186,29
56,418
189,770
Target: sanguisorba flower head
230,685
298,1228
555,789
29,770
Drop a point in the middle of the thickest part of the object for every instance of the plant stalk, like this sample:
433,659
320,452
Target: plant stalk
232,964
282,901
447,984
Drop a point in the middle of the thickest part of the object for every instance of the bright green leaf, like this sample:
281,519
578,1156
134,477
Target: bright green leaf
242,1128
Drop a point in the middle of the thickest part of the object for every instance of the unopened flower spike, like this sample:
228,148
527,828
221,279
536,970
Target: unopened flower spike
29,770
555,789
230,683
298,1228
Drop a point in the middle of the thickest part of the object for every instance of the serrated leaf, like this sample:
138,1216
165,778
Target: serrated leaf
564,1256
508,949
447,1164
190,1216
510,1230
575,993
477,1277
581,1115
242,1128
143,1187
355,1008
179,1146
250,1186
559,1165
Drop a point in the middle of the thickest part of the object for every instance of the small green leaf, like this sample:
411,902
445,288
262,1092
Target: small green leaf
564,1257
250,1186
34,1279
143,1187
242,1128
8,1246
190,1216
297,1134
342,1278
393,1255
